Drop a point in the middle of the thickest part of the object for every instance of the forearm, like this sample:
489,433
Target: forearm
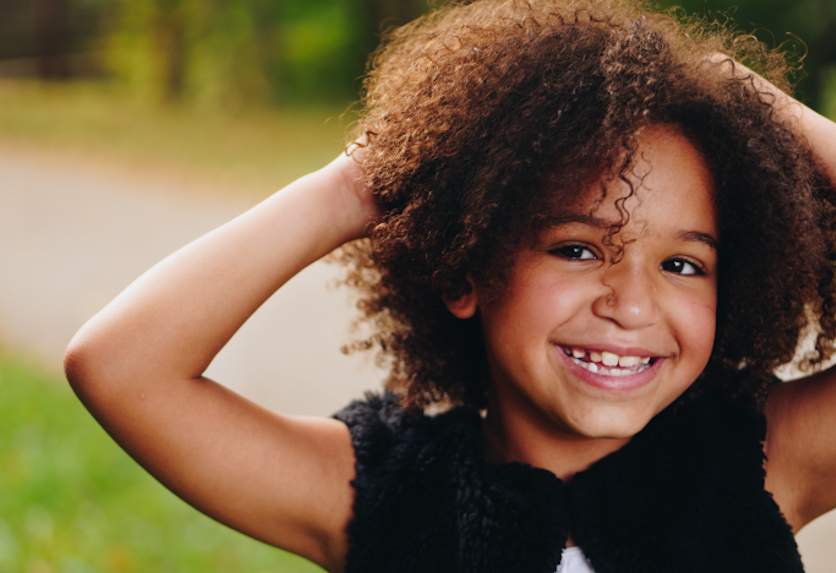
817,130
172,321
820,132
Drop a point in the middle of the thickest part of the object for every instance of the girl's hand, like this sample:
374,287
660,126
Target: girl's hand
817,130
358,210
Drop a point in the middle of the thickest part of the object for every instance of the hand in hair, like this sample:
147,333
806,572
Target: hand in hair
817,130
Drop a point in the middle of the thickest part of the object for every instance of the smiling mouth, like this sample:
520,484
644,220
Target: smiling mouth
608,363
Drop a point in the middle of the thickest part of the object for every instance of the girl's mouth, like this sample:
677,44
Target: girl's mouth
608,363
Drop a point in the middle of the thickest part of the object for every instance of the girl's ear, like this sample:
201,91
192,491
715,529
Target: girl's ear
465,306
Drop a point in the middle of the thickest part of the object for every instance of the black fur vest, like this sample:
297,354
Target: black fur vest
684,495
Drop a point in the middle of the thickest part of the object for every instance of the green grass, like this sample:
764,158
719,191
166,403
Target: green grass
71,501
258,149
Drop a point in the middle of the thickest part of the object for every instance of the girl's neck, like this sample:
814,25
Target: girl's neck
539,442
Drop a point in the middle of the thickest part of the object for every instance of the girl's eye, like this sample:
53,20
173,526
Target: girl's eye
681,267
574,252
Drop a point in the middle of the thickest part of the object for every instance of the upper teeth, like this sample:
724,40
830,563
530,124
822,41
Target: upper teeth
610,358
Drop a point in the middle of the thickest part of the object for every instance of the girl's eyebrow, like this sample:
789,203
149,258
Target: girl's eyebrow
581,218
699,237
598,222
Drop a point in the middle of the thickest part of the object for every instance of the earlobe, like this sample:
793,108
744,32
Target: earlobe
465,306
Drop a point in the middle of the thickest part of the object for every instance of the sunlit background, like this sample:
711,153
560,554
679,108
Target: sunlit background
130,127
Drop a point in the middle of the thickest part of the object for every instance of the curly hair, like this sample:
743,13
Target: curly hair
468,110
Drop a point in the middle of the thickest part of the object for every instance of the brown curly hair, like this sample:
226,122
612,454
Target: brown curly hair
469,109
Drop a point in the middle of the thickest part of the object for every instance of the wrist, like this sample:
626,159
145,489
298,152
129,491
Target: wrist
351,204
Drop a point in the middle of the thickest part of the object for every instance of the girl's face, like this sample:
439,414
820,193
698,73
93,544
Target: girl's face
578,345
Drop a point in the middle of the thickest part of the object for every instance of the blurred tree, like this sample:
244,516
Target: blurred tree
169,33
249,50
46,36
269,36
16,29
202,50
51,35
231,52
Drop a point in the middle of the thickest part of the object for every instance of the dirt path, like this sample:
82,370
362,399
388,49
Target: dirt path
73,233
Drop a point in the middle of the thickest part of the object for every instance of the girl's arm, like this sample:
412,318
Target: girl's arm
801,432
819,131
800,447
138,364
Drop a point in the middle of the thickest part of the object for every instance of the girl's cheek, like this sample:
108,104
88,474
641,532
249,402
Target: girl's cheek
703,321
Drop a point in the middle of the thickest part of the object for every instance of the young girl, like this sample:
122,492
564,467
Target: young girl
590,238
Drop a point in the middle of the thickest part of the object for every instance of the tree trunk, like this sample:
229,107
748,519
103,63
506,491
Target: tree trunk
170,37
50,19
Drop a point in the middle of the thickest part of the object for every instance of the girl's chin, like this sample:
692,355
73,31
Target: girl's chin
618,425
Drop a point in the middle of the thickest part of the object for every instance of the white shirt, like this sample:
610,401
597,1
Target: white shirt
572,560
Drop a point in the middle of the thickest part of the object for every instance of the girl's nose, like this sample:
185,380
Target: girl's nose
629,296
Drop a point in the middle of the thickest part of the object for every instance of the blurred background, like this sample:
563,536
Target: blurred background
240,52
129,128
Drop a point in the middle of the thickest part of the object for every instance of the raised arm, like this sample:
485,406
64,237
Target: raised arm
801,435
801,425
801,415
138,365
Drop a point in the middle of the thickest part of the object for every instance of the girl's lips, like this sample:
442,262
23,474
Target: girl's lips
612,382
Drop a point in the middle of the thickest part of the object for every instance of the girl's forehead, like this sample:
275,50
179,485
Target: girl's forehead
667,182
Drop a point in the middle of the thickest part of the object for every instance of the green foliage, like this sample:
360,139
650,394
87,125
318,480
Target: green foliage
74,502
314,48
233,53
199,49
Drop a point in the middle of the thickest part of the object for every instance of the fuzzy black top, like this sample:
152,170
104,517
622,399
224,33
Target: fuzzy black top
684,495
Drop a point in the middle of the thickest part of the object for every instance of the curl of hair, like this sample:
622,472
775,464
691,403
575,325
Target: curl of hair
482,118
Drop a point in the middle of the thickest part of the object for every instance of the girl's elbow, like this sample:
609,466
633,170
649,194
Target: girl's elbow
77,364
83,363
